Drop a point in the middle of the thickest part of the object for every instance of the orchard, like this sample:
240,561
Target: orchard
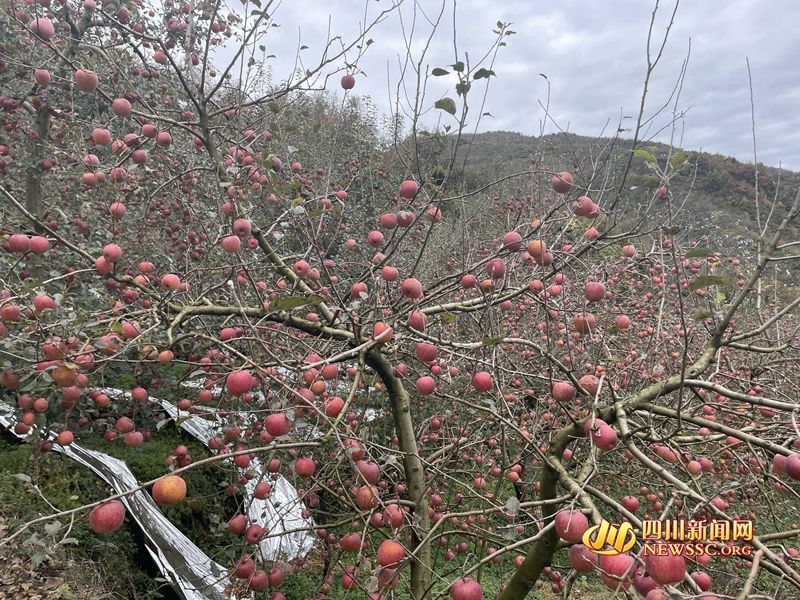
459,383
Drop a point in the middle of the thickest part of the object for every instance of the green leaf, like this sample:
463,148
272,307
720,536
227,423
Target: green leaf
702,315
708,280
698,253
437,72
446,104
463,87
483,74
652,181
449,318
38,558
645,155
23,477
458,67
292,302
678,159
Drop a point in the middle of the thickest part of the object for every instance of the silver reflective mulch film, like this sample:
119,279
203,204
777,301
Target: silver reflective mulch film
192,573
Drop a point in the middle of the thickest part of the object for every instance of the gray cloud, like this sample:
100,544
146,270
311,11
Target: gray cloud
593,54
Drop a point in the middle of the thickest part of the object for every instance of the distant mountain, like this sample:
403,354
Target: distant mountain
716,193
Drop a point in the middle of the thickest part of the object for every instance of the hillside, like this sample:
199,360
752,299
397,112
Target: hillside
714,194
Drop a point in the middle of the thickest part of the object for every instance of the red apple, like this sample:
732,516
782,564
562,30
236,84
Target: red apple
512,241
665,569
561,182
43,28
582,559
171,281
792,465
239,382
42,77
237,525
563,391
231,244
169,490
305,467
426,352
121,107
466,588
411,288
107,517
595,291
702,579
631,503
408,189
426,385
482,382
618,570
571,525
390,553
101,137
86,81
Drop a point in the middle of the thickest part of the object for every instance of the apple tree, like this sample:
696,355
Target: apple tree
458,380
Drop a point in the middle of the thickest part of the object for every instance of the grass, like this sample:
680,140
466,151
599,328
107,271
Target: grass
116,564
90,566
56,482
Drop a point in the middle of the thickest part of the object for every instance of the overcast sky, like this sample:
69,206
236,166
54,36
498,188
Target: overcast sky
593,54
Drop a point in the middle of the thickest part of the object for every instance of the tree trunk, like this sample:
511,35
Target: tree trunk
33,175
421,567
541,555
